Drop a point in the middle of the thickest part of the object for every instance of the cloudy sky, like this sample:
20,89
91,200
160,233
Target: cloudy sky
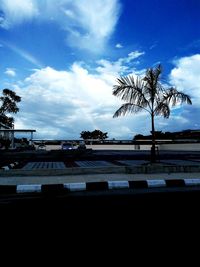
63,57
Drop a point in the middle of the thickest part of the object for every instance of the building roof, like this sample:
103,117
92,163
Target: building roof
4,126
18,130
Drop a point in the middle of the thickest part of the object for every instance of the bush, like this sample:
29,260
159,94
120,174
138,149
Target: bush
5,143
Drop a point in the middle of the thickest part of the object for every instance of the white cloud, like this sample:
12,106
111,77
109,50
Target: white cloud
118,45
10,72
60,104
153,46
186,76
110,70
17,11
88,25
131,56
96,20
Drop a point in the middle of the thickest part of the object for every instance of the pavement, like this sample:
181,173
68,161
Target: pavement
101,166
88,178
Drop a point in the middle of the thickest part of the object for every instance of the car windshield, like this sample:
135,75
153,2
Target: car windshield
67,144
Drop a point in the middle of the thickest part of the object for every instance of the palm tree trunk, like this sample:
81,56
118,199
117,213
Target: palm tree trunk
153,146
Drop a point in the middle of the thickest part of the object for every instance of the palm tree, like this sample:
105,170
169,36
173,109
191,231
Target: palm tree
8,102
147,94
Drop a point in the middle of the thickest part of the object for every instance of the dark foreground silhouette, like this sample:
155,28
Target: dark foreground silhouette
135,207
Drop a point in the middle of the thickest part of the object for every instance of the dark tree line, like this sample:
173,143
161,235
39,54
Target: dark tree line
96,134
186,134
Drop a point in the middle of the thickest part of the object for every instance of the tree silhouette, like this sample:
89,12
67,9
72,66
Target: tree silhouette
8,102
96,134
147,94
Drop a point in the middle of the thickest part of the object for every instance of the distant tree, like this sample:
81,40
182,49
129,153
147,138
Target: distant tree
138,136
8,104
86,135
147,94
96,134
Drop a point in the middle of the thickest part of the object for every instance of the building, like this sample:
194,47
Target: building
8,133
4,134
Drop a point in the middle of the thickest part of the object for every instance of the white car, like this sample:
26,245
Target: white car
41,147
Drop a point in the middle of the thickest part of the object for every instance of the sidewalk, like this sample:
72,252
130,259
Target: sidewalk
87,178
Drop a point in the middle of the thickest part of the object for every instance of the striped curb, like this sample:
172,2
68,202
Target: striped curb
138,184
29,188
156,183
75,186
175,183
10,166
96,186
118,184
192,182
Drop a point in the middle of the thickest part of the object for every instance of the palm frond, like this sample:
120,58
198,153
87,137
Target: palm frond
128,108
147,93
131,90
173,97
152,84
157,72
162,109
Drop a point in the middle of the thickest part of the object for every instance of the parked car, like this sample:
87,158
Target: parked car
67,146
41,147
82,145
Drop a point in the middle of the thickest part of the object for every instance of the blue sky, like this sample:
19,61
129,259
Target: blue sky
63,57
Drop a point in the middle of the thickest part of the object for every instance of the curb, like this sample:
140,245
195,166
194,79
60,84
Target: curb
96,186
